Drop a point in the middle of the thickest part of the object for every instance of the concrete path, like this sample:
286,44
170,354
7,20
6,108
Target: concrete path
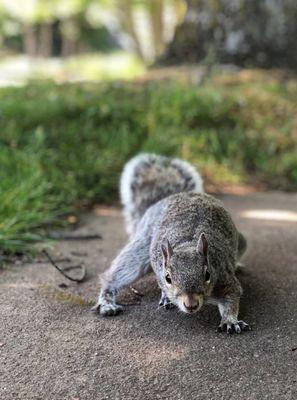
52,347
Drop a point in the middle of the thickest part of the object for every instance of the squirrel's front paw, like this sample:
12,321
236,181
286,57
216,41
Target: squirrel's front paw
233,326
107,309
165,302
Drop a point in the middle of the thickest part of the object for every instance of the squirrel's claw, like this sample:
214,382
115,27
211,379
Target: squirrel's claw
233,327
165,302
107,309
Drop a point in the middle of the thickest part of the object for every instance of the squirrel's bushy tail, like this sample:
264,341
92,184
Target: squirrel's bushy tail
148,178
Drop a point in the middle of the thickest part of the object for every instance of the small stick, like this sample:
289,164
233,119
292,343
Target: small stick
78,254
80,279
69,236
138,303
46,261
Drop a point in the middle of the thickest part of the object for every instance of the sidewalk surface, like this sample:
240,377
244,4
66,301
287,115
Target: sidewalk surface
52,347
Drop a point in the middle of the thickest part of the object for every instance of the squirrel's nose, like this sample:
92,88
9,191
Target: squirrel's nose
191,308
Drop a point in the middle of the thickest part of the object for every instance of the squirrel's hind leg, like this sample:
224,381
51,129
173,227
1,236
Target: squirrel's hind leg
241,248
132,263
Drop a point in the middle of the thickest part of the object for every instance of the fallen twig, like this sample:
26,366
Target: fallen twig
78,254
70,236
62,271
45,261
138,303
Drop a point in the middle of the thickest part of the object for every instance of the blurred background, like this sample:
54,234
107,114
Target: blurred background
87,84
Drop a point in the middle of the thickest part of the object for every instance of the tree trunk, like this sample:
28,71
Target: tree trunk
248,33
29,40
46,40
125,13
156,10
69,37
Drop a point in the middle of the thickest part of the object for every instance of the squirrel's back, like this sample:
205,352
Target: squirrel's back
148,178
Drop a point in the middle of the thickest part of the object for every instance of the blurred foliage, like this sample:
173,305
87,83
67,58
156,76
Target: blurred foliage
257,33
46,28
66,145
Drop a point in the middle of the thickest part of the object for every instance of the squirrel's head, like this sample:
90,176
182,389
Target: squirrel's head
187,275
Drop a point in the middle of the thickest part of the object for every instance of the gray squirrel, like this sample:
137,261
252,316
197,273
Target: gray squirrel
186,236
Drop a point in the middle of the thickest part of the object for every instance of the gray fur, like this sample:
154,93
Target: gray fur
191,243
148,178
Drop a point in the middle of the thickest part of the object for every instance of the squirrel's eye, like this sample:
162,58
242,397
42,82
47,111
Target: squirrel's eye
168,279
207,276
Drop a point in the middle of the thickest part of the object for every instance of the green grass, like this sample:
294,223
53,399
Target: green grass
25,200
62,146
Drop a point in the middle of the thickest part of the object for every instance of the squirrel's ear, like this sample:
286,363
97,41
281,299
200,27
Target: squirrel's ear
202,245
166,251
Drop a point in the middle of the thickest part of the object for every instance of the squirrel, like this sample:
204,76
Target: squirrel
186,236
148,178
